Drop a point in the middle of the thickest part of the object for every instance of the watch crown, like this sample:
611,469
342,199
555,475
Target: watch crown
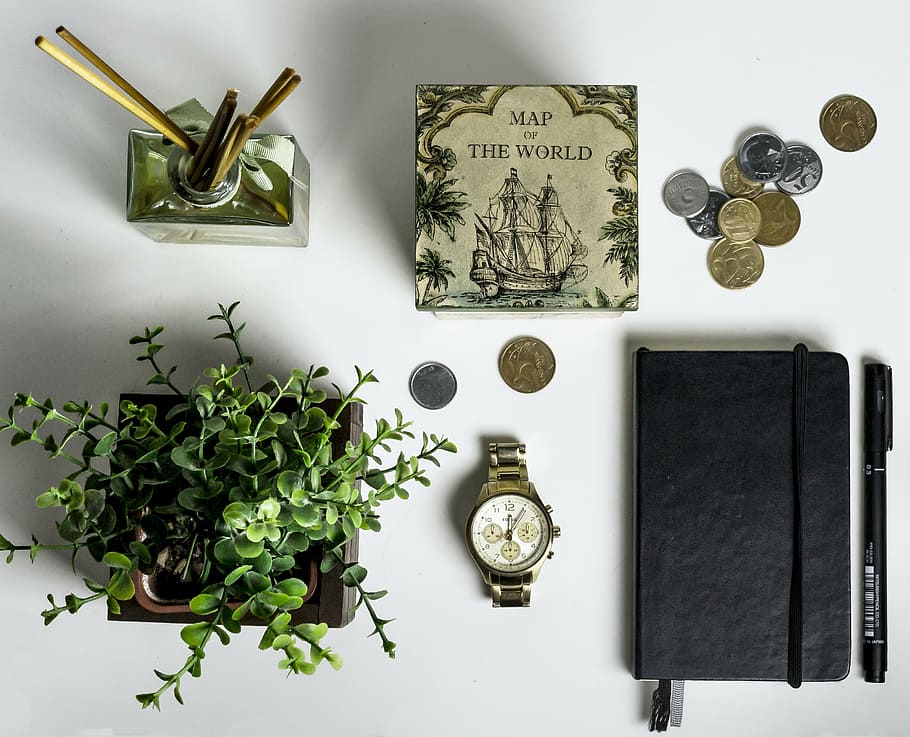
556,531
550,555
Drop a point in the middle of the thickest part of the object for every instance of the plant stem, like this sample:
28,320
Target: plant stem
167,378
173,680
236,341
387,645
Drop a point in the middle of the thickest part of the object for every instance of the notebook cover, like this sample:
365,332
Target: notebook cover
714,509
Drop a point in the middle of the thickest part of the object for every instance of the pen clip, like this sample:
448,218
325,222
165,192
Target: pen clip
889,411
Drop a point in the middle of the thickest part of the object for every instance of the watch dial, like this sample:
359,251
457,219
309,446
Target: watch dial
509,532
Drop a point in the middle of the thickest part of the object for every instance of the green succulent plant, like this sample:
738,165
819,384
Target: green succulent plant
244,478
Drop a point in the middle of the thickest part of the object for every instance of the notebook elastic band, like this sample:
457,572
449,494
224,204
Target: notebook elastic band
795,632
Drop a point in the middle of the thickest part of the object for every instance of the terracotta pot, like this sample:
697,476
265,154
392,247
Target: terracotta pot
154,598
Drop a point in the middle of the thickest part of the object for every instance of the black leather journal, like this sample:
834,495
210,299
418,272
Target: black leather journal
742,551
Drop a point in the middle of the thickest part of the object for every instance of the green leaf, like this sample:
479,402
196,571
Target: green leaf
48,499
275,599
214,424
235,575
353,575
292,587
223,636
225,552
246,548
121,586
117,560
5,544
140,551
257,582
257,531
104,446
312,632
184,459
287,482
281,641
94,502
305,516
194,634
236,515
204,604
269,509
192,499
241,611
283,563
331,514
261,610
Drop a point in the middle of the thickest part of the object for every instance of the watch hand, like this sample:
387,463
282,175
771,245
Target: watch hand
518,518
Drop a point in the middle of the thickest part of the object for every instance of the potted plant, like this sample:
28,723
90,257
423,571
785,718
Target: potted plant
226,490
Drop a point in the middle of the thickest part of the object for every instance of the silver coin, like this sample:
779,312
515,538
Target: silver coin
762,157
803,171
432,385
704,225
686,194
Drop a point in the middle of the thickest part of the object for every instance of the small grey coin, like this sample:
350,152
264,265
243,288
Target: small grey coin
762,157
704,225
686,194
803,171
432,385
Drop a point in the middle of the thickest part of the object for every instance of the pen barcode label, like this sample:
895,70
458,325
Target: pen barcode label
868,601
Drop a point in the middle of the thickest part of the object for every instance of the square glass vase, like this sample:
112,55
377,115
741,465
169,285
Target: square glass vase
263,199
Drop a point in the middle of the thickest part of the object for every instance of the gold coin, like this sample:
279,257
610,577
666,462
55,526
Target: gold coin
735,182
739,219
735,265
527,364
848,123
780,218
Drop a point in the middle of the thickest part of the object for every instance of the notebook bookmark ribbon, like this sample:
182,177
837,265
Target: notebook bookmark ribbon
666,705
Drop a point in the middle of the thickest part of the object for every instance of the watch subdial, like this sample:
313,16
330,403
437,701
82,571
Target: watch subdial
528,532
492,533
510,550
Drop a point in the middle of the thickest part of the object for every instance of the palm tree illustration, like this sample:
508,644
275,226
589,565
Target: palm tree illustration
622,231
433,268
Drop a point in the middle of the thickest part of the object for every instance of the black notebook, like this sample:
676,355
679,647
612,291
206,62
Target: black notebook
742,551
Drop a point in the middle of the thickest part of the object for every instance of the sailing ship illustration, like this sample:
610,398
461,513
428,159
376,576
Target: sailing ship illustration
525,243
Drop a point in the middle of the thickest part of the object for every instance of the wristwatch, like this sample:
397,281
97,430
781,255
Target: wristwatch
510,533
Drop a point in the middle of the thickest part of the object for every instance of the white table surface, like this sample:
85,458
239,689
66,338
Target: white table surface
76,281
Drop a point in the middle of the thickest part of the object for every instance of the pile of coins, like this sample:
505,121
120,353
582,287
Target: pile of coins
743,215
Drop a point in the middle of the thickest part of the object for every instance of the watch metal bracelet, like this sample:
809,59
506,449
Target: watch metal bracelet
510,590
507,463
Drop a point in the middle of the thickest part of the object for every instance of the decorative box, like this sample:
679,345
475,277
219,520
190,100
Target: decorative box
526,199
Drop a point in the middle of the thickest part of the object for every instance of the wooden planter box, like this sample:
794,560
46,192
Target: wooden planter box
332,602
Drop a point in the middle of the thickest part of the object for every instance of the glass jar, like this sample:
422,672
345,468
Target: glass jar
263,199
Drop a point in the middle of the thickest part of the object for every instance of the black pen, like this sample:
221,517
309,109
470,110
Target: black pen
877,442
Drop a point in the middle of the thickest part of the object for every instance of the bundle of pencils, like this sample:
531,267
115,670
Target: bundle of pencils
215,154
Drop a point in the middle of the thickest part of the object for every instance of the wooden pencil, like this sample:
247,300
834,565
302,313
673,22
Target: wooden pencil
279,97
280,81
243,135
220,124
219,163
113,93
162,117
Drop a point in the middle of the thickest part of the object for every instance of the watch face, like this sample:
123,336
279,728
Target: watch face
509,533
